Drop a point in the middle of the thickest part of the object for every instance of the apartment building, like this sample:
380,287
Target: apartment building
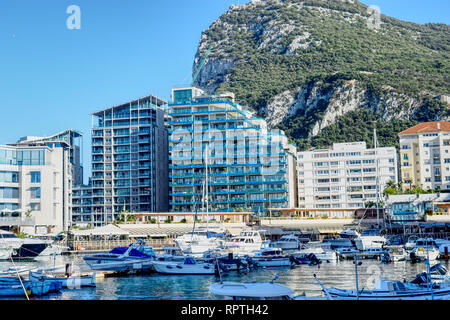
345,176
36,181
129,159
425,155
250,167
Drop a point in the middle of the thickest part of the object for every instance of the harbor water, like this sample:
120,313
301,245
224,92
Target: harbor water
338,274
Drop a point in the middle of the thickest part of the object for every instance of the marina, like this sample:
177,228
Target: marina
300,279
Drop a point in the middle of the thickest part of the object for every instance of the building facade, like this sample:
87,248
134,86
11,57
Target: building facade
250,168
425,156
345,176
36,181
130,159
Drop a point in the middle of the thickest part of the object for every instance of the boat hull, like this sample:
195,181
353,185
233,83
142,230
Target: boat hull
66,282
183,269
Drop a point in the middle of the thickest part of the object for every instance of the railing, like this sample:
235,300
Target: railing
111,244
18,221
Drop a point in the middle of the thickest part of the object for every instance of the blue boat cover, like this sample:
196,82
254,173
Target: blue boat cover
189,261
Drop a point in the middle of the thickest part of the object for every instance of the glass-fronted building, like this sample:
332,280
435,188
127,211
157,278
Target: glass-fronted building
130,159
250,167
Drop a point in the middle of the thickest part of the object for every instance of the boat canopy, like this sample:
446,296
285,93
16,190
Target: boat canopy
109,229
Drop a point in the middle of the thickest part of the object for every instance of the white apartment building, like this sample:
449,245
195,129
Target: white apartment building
425,155
345,176
36,181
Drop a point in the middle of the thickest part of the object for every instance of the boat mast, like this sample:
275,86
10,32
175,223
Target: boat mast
206,189
377,176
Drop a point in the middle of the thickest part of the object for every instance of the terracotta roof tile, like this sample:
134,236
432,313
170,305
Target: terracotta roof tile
434,126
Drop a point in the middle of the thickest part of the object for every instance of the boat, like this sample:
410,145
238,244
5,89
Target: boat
346,253
187,267
345,240
6,252
251,291
29,288
247,241
424,248
365,242
372,253
272,257
71,282
201,240
287,242
54,249
444,251
394,254
390,290
411,243
322,250
122,259
28,248
170,254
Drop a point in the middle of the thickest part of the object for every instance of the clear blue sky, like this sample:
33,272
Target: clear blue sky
52,78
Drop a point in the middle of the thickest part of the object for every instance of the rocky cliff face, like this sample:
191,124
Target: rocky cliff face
316,59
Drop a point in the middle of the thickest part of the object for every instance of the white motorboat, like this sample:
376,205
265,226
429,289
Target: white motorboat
423,249
372,253
394,254
170,254
347,253
28,248
287,242
6,251
411,243
187,267
322,250
421,254
251,291
369,242
121,259
272,257
54,249
345,240
201,240
247,241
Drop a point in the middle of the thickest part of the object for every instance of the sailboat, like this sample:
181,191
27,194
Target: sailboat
202,239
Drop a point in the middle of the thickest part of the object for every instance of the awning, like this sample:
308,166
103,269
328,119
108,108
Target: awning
110,229
331,230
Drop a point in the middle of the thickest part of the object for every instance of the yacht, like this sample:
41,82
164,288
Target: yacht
27,247
247,241
369,242
346,253
201,240
372,253
424,248
394,254
322,250
272,257
122,259
287,242
346,239
187,267
411,243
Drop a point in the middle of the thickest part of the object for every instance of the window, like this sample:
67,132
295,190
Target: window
35,177
35,193
35,206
